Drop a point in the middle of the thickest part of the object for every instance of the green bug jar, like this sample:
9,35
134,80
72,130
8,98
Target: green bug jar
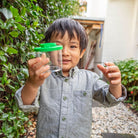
53,52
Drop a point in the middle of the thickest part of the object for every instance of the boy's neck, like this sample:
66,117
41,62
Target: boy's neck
66,74
69,73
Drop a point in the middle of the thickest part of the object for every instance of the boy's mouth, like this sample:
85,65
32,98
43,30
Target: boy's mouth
65,61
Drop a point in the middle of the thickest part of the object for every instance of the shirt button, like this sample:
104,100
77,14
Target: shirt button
66,80
64,98
84,94
63,119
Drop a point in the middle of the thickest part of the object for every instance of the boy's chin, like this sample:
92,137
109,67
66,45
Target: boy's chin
65,69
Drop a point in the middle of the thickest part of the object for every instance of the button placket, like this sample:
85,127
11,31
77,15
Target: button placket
64,109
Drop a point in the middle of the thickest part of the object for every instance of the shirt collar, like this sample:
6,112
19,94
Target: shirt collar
72,72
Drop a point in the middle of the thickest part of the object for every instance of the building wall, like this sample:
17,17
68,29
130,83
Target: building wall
136,30
120,30
120,36
96,8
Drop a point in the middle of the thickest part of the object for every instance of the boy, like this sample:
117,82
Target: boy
66,97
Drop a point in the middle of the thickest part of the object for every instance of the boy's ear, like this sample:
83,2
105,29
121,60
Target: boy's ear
82,53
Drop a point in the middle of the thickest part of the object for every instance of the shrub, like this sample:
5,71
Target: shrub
129,75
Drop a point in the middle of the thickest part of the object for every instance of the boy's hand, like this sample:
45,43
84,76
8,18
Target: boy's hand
113,75
38,70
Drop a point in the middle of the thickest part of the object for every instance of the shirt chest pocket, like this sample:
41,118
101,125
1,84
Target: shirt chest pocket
82,101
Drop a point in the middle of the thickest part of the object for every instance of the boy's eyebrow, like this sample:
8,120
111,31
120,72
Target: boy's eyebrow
70,42
57,41
75,42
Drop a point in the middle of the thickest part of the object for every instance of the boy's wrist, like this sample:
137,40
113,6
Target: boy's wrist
116,90
30,84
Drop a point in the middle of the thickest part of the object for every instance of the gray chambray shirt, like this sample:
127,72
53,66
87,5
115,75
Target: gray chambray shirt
65,109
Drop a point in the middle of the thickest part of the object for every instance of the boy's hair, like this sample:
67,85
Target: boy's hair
60,26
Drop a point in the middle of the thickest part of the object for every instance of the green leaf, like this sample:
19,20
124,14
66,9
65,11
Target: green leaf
14,11
23,11
20,27
1,112
1,21
3,58
4,116
1,53
2,106
35,23
18,19
12,118
2,90
11,50
14,33
27,22
9,130
4,78
11,87
7,81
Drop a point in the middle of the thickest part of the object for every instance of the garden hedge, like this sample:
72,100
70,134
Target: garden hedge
21,30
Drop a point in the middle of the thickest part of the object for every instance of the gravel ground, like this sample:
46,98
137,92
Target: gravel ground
117,119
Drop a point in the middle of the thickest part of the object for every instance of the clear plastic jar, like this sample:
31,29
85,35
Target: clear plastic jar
53,52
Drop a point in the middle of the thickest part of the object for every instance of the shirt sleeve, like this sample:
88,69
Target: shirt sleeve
34,107
103,95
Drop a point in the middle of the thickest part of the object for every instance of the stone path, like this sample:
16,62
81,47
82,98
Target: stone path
118,119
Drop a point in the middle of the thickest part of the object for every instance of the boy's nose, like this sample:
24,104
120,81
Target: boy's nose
65,51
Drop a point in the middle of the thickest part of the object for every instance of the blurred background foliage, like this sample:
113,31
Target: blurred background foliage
129,76
22,27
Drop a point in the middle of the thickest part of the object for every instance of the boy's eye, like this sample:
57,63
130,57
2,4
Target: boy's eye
73,46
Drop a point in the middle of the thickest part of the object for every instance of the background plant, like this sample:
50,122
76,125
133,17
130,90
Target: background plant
129,74
19,34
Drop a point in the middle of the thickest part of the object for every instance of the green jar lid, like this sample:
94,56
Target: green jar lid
47,47
47,44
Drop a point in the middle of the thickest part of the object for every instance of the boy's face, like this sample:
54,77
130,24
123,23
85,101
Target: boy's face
71,51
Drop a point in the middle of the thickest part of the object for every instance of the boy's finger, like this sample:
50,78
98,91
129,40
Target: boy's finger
40,64
34,61
42,70
112,69
115,82
43,56
101,68
114,75
45,60
44,75
109,64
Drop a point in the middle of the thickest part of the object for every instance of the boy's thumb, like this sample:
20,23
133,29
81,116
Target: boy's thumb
43,56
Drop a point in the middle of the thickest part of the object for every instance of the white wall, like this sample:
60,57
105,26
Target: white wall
135,28
120,30
120,37
96,8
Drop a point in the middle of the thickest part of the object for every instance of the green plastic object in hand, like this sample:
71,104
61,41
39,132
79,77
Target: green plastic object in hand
48,47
